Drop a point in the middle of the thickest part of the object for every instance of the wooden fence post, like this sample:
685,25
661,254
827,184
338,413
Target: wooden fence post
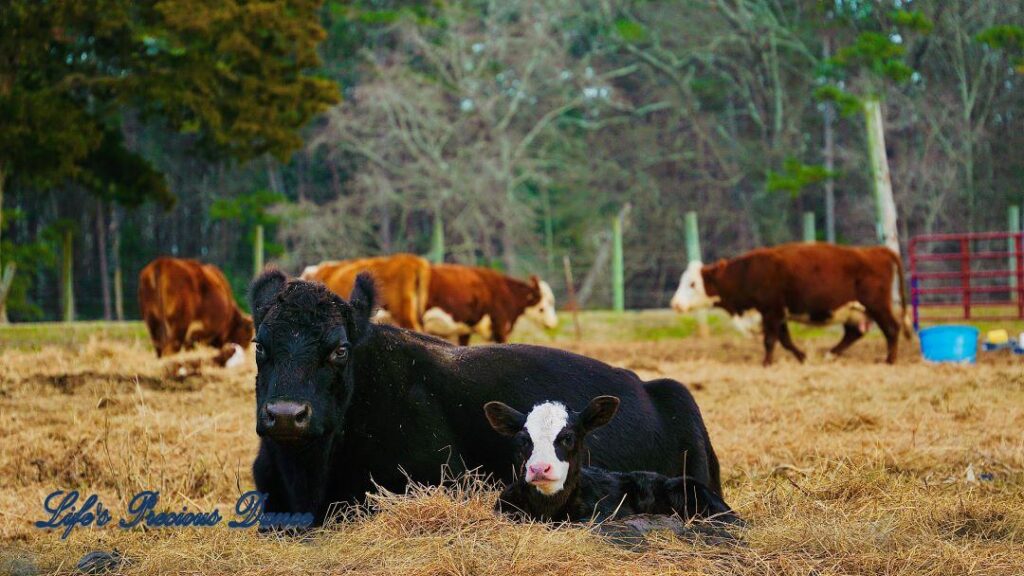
437,239
618,273
809,232
67,278
692,255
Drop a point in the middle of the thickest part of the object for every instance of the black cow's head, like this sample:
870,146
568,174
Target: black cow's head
304,340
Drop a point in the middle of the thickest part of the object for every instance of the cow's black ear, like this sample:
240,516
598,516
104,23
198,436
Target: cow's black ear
363,300
263,291
599,412
505,419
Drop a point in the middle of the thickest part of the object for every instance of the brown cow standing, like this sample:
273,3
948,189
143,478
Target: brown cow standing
466,299
402,279
185,302
809,282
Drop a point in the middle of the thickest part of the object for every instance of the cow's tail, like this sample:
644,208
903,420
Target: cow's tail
906,322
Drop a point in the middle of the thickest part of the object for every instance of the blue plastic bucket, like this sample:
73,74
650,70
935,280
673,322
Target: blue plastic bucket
949,344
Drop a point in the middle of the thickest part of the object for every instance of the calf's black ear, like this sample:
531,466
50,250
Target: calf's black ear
599,412
264,289
363,300
505,419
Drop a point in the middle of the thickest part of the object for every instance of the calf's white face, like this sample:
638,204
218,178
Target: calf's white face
545,424
691,293
543,312
549,440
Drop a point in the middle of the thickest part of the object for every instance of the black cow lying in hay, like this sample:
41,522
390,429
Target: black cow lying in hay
342,404
554,484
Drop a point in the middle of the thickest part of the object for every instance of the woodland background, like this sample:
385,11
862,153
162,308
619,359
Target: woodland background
521,127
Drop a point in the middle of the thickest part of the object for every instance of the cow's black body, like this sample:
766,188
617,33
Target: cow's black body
597,494
406,404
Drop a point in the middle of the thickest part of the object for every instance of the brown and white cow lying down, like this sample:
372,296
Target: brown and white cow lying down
186,302
810,283
464,300
401,278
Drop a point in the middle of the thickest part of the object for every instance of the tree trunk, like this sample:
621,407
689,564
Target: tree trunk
830,158
3,294
115,239
549,235
888,233
101,248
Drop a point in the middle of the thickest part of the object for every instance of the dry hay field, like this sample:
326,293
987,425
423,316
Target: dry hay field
848,467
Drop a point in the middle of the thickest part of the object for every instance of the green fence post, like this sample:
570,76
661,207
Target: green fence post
692,237
692,255
810,234
257,251
67,279
1013,224
618,273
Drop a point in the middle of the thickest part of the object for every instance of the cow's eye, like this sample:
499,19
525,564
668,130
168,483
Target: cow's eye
339,355
260,352
567,441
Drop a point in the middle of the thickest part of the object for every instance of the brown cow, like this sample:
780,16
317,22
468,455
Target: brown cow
402,280
464,300
812,283
185,302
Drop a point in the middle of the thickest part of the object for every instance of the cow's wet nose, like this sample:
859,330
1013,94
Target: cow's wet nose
287,419
541,470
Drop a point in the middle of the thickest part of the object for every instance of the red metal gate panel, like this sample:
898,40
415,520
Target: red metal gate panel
978,275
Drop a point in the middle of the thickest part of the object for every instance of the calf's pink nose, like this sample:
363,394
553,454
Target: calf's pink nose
540,469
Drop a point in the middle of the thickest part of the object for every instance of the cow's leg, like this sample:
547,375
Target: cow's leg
500,328
156,334
770,327
408,314
890,327
464,339
876,296
787,342
851,333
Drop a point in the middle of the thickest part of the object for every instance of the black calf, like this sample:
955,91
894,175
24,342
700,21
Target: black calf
554,485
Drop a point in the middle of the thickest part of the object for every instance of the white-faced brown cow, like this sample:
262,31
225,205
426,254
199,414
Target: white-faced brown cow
809,283
467,300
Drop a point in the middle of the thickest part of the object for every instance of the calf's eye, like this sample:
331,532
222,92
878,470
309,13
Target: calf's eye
339,355
260,352
567,441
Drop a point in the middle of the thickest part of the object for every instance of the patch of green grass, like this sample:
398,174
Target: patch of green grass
35,335
595,326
